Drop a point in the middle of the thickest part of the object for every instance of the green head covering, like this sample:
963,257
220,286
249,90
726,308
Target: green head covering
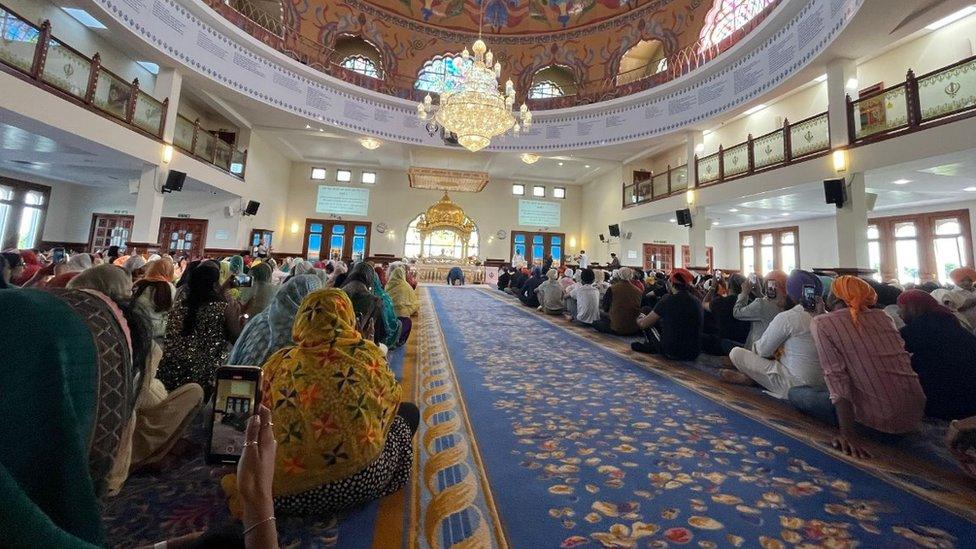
236,265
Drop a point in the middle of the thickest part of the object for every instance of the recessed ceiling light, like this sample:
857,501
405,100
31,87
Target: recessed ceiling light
153,68
902,181
307,127
951,18
672,220
560,163
586,166
529,158
821,78
785,214
714,223
84,18
733,210
970,189
755,109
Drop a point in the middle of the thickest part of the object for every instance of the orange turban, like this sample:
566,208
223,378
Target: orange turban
160,270
962,273
120,261
780,278
858,294
682,276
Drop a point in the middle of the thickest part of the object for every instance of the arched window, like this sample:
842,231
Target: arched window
728,16
545,90
442,73
361,64
641,60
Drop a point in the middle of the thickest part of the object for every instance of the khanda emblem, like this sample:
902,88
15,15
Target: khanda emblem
952,89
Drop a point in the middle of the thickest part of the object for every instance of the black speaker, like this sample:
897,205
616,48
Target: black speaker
602,239
614,230
834,192
683,217
174,181
252,207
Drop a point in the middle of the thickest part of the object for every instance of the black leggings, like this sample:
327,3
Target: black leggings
410,412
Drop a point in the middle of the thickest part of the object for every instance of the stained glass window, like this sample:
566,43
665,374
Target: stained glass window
362,65
442,73
544,90
728,16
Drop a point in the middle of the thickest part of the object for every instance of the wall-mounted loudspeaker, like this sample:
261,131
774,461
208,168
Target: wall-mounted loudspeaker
683,217
252,207
834,192
614,230
872,200
174,181
602,238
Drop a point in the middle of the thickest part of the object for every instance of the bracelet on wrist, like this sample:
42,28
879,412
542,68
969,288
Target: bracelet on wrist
258,523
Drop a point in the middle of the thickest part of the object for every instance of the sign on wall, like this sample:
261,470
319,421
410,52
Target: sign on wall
342,200
536,213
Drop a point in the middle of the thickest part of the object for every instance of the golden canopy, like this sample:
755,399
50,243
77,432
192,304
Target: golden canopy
445,214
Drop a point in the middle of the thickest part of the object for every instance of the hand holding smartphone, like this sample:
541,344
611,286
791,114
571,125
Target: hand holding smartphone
237,397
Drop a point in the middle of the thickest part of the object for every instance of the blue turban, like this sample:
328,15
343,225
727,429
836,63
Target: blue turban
800,278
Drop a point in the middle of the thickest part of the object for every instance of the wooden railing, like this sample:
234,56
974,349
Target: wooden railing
36,55
919,102
197,142
648,186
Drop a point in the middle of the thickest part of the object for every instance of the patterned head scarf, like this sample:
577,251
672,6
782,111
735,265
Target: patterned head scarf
111,280
271,329
78,263
856,293
800,278
224,267
403,295
134,263
160,270
333,396
962,273
390,320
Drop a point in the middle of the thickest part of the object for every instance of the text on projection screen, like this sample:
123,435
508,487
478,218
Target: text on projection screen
342,200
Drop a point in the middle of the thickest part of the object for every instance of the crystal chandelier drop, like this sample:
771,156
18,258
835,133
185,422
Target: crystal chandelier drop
477,111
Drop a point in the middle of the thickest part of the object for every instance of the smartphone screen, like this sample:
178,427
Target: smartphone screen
244,280
237,397
771,289
809,296
57,255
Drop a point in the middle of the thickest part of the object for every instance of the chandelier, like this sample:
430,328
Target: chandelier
476,111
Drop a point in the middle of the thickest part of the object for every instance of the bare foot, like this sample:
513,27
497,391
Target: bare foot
736,377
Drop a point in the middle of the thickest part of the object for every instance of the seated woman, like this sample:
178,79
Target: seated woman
550,294
943,355
271,329
455,277
199,332
405,301
674,327
262,290
351,441
372,302
154,294
527,294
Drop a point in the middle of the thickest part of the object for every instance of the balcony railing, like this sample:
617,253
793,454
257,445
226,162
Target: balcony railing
918,102
648,186
35,54
198,142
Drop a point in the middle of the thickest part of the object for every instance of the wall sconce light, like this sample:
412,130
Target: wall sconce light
840,160
690,197
294,227
167,154
572,242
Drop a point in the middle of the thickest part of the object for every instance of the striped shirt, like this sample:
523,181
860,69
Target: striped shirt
868,366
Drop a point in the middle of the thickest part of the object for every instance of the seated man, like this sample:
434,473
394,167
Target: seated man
624,306
674,328
527,294
584,299
518,279
761,311
504,278
550,294
785,356
455,277
870,382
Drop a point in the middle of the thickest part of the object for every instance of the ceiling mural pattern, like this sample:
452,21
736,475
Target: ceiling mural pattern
529,35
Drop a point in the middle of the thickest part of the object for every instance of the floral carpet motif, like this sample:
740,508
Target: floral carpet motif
582,447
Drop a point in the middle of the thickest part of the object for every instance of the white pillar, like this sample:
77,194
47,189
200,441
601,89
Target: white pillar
149,208
169,82
696,237
852,225
841,81
694,141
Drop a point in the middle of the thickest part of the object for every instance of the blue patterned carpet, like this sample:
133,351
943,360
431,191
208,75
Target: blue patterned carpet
575,445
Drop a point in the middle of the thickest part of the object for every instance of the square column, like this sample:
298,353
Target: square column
149,210
841,82
852,225
168,85
694,140
696,237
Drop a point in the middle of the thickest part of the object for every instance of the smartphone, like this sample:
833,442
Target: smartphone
809,296
57,255
243,280
754,279
770,289
237,397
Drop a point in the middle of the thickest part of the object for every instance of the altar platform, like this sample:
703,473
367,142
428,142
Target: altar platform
437,273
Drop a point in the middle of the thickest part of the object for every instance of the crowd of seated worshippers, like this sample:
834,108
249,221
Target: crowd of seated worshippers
153,330
868,358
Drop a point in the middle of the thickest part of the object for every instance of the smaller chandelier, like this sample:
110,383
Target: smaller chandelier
477,111
529,158
370,143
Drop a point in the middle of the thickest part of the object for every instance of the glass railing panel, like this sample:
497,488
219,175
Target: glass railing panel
679,178
948,91
768,150
66,69
206,143
736,160
18,41
112,94
183,135
810,136
660,184
708,169
222,156
149,113
884,112
237,162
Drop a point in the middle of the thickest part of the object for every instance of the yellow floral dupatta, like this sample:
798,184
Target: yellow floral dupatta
404,297
332,396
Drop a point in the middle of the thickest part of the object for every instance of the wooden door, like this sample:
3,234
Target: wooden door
182,236
658,256
109,230
327,238
534,246
686,257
